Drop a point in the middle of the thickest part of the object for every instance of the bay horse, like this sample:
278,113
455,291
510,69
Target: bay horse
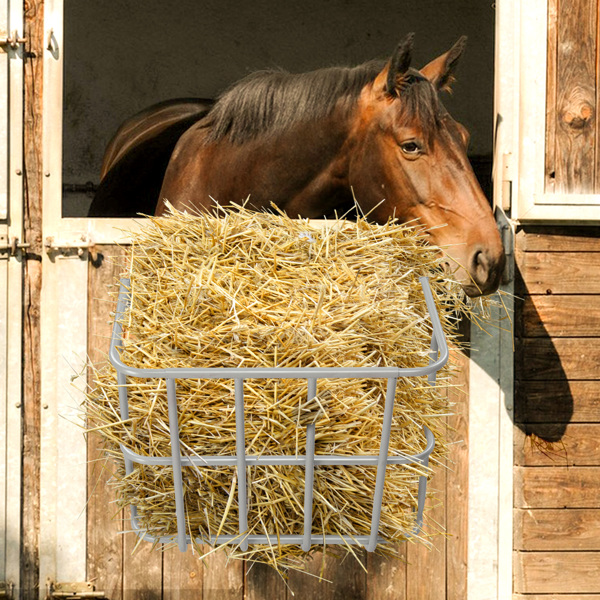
317,144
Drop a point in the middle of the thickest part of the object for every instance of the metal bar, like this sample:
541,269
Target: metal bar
279,460
273,539
388,413
309,472
423,483
124,411
240,448
176,454
438,332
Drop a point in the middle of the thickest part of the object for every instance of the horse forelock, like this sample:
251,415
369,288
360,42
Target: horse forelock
419,104
268,102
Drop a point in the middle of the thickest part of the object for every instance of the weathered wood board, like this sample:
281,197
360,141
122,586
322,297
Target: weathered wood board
557,408
557,572
561,316
551,529
579,445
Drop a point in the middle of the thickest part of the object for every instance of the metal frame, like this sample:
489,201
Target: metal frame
309,460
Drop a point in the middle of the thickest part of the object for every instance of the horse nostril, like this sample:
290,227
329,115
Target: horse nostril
480,267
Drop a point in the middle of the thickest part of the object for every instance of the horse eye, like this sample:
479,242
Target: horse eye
410,147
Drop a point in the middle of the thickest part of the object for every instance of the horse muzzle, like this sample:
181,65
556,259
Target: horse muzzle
485,268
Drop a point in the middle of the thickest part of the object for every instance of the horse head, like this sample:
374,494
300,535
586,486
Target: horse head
412,154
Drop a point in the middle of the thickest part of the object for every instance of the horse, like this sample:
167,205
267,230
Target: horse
375,137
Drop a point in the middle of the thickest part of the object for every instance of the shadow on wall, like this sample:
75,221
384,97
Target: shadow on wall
543,398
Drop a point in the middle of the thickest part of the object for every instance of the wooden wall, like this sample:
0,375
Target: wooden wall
557,410
573,92
418,573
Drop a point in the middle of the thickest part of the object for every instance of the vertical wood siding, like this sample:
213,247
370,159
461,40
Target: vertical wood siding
572,141
437,574
557,409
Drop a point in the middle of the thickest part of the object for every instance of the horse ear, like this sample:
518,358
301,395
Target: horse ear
387,81
399,64
440,71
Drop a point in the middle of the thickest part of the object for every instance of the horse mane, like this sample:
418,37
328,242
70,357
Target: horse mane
269,102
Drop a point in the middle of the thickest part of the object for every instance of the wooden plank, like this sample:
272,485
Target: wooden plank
142,569
426,570
557,359
222,580
580,238
32,185
576,96
386,578
263,582
104,541
561,316
557,529
561,402
579,445
457,484
182,575
348,579
557,572
559,273
557,487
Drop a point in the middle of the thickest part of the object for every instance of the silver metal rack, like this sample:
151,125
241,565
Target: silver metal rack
438,357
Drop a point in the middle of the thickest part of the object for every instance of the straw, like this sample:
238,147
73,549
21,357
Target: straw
260,289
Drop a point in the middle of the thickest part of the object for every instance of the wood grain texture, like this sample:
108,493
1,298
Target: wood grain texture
557,487
557,572
348,580
426,570
545,359
562,402
575,96
561,316
457,484
559,273
32,282
222,580
142,569
579,445
183,575
386,579
104,542
557,529
580,238
262,581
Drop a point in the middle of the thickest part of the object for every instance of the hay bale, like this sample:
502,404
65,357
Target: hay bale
255,289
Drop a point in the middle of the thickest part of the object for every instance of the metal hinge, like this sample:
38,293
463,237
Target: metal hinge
508,176
6,590
11,246
13,40
73,590
54,246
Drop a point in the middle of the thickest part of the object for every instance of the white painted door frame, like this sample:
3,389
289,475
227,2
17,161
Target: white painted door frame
11,277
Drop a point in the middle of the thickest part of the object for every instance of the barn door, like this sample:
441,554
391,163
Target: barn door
11,131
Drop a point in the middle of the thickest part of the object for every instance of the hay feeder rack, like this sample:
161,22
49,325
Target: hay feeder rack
438,357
